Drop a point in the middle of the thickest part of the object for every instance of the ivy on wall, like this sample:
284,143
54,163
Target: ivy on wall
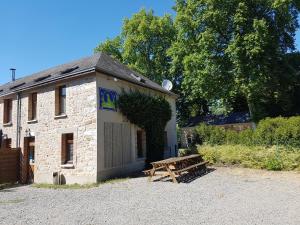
150,113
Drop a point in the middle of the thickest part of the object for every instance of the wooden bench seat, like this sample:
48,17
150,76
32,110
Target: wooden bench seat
148,172
178,172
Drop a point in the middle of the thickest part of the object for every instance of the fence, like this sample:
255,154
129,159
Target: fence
9,165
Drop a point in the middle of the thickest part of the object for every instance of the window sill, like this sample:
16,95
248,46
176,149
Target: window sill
8,124
32,121
63,116
67,166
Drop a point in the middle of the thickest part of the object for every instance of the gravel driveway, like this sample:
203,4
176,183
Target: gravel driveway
224,196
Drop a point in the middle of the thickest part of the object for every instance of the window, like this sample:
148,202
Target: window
69,70
60,100
32,107
42,78
67,149
7,111
140,143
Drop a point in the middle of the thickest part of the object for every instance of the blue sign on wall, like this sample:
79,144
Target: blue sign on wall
108,99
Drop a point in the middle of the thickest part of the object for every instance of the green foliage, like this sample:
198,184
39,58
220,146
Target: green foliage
114,47
187,151
242,54
150,113
143,44
256,157
212,61
279,131
270,131
211,134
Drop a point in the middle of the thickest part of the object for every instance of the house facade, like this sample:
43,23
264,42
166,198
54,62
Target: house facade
67,120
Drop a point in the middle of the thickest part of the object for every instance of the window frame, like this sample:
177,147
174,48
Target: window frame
32,106
67,156
7,111
61,100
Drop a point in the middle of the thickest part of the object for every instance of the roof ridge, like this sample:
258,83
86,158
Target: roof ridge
98,60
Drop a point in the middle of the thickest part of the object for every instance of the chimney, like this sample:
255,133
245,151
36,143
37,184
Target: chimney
13,74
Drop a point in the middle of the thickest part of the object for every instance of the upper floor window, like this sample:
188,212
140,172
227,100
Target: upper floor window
60,100
32,107
7,115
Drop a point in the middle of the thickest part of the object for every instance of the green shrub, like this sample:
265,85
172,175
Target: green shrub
187,151
210,134
270,131
257,157
265,133
150,113
274,164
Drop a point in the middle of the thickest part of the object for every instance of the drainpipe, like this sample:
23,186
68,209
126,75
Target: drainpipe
18,140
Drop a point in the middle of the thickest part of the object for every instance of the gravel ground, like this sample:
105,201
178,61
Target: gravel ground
224,196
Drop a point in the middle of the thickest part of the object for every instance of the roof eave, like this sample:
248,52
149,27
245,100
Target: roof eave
136,82
54,80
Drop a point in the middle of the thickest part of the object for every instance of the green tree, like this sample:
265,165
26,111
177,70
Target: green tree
143,44
234,46
114,47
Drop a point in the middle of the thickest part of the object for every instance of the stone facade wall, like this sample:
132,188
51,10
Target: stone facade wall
86,121
48,130
108,82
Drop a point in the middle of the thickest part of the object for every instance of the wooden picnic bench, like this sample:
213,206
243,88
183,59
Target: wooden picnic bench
176,166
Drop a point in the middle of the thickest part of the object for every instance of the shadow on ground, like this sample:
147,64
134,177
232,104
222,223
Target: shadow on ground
9,187
184,178
190,177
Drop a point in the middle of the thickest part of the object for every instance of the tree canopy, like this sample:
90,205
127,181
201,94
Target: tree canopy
234,47
220,55
143,44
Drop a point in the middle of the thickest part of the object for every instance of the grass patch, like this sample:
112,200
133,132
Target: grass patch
14,201
65,186
7,185
115,180
79,186
256,157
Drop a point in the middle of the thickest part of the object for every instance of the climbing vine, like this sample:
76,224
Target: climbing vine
150,113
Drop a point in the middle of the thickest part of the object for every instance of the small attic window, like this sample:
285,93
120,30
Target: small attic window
1,90
69,70
42,78
18,85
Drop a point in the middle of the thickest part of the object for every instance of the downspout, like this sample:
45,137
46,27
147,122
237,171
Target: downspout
19,104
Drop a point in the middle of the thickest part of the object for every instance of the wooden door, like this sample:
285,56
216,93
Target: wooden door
29,147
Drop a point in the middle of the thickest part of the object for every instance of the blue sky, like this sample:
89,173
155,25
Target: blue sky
36,35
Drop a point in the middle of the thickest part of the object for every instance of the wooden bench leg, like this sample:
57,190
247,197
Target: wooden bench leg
172,175
152,173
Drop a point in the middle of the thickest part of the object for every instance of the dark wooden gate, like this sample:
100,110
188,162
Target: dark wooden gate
9,165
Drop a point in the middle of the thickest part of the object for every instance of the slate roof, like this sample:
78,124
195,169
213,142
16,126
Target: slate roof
231,118
98,62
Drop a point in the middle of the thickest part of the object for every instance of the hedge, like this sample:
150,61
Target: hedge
256,157
269,132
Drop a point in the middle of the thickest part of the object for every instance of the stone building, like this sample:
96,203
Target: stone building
67,120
